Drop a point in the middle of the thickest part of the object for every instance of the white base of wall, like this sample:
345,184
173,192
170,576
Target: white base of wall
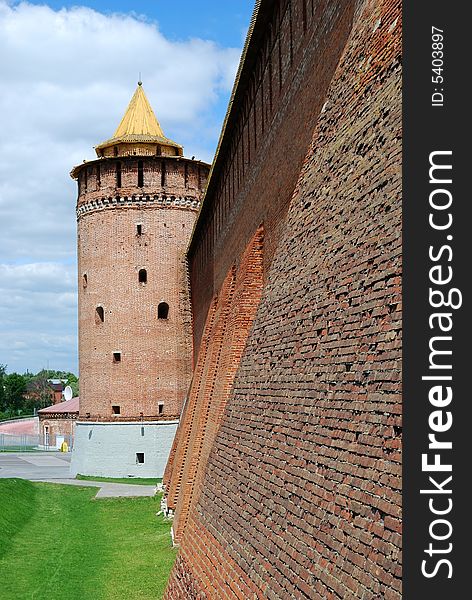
110,449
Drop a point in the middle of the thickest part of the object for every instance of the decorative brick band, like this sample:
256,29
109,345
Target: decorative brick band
144,200
58,415
125,419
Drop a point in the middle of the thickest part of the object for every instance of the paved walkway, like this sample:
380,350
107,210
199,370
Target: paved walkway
108,490
35,465
53,467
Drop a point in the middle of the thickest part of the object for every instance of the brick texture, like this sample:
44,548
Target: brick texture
300,495
230,319
64,425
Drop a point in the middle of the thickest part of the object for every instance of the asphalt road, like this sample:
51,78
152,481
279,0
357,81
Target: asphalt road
54,467
36,466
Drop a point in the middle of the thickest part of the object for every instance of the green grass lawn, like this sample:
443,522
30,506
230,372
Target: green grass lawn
131,480
57,542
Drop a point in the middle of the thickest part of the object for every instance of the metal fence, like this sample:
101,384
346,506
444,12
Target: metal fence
26,442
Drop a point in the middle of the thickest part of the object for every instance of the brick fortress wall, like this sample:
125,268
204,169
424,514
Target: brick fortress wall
300,495
286,70
228,323
156,355
294,49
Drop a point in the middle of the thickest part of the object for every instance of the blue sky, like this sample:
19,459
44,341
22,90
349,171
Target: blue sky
72,68
224,21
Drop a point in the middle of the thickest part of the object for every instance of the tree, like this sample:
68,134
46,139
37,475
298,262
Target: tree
69,377
73,381
3,405
39,391
15,389
27,392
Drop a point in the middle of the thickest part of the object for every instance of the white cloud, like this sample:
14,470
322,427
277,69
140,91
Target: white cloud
38,306
38,277
66,78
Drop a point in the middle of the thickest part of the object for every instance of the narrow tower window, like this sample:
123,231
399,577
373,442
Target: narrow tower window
118,174
142,276
140,174
116,410
84,280
116,357
160,408
99,314
139,229
98,177
163,174
139,458
163,310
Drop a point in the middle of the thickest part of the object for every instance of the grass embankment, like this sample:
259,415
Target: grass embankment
17,499
56,542
131,480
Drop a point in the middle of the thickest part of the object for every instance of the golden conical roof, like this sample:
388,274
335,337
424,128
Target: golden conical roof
139,124
139,118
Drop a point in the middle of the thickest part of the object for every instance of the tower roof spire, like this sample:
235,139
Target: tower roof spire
139,125
139,118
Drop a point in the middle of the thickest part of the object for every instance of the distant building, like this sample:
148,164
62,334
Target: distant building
57,422
49,390
57,387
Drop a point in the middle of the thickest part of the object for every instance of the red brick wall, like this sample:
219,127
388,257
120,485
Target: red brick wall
64,426
301,491
156,354
230,319
287,71
173,475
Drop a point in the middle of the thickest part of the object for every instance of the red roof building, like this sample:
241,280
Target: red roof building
57,422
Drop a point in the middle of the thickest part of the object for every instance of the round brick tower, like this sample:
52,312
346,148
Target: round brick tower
137,203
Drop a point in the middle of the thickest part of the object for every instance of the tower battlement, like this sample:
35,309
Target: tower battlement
140,176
